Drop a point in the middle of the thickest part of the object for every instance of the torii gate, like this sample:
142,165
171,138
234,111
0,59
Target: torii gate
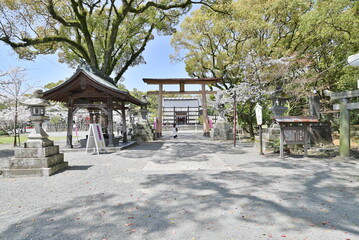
344,106
182,82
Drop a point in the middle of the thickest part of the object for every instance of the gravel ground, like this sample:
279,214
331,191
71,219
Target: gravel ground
185,188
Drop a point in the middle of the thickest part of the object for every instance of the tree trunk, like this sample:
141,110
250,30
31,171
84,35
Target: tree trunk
15,125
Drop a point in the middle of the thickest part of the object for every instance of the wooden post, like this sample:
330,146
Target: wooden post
344,149
70,120
281,147
306,141
235,120
110,122
159,125
124,127
260,140
204,115
91,117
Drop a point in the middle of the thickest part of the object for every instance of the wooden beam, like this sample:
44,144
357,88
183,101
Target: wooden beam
178,92
182,80
341,95
350,106
87,94
89,105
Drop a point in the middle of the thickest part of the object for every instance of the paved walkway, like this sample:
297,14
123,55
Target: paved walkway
185,188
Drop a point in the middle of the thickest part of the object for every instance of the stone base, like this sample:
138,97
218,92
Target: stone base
35,172
38,158
271,138
142,132
222,131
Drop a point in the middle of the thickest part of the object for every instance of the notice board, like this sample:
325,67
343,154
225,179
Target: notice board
95,139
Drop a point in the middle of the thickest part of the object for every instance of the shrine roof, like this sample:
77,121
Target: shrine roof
86,76
296,119
182,80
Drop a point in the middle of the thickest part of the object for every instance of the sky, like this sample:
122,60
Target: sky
46,68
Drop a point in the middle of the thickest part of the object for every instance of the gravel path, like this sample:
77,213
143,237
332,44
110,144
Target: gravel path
185,188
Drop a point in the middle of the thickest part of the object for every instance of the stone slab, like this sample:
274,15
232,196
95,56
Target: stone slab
30,163
36,172
36,143
36,152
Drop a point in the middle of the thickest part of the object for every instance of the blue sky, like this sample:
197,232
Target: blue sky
46,68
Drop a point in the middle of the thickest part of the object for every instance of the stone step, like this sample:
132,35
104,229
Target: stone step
36,172
30,163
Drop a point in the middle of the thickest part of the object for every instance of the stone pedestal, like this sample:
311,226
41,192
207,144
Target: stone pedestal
143,132
271,138
37,159
222,131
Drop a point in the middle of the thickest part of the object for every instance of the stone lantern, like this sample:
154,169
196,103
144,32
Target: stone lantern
221,112
39,156
144,110
38,137
221,129
142,130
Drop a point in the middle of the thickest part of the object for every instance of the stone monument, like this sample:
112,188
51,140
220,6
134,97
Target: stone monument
39,156
221,129
273,132
142,129
320,133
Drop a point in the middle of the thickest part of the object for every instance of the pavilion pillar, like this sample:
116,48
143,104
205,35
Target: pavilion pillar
91,118
70,119
124,127
110,122
206,132
159,125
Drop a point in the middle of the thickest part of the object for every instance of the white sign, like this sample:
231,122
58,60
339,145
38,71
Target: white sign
95,138
258,110
353,60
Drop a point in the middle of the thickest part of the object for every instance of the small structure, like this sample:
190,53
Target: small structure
221,129
142,129
182,82
273,132
39,156
182,111
90,89
294,130
344,106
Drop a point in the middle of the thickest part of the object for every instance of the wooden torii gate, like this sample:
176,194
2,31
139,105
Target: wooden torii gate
182,82
344,106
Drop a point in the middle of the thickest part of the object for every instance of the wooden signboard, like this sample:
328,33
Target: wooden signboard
95,139
294,135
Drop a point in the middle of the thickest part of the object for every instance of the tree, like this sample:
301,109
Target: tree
12,87
109,35
241,45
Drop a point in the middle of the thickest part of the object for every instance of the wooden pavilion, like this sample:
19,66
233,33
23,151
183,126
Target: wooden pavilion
182,82
90,89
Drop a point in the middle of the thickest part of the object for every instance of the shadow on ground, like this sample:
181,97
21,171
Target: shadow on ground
315,199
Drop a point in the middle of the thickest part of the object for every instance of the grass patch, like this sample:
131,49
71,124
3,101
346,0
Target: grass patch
23,138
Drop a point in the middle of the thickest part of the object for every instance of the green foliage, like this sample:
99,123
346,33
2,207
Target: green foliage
108,35
52,85
57,120
152,102
2,106
312,39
